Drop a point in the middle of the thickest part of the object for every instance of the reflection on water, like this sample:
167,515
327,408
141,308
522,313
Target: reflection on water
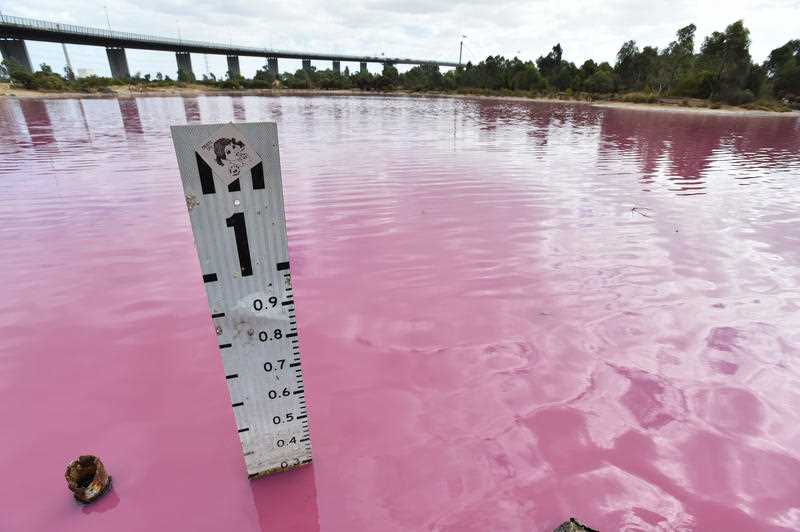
37,120
129,110
511,313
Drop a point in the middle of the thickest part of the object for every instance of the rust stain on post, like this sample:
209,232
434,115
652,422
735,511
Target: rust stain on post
87,478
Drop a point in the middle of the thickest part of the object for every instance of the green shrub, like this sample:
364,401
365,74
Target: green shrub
640,97
767,105
739,97
91,83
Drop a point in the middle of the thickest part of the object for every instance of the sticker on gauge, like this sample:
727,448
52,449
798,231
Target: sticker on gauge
228,153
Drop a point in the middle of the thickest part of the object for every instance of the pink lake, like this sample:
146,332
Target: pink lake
510,314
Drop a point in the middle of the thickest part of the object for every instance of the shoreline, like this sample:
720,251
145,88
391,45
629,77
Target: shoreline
121,91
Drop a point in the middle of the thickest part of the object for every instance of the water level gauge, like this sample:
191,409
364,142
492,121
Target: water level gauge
232,182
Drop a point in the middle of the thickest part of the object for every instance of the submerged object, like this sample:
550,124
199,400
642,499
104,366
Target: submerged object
87,478
573,525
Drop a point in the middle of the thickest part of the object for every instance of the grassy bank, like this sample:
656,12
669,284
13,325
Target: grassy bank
632,100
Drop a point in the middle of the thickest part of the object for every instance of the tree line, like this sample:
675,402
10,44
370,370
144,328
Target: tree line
722,70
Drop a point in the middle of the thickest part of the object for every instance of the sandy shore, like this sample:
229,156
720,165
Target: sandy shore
123,91
725,110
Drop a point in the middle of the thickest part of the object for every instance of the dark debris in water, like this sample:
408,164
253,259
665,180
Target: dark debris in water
87,478
573,525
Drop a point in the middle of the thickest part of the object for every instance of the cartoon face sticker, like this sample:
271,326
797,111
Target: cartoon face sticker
230,154
227,152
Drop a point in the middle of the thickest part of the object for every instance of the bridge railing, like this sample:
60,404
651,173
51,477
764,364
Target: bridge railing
112,35
35,24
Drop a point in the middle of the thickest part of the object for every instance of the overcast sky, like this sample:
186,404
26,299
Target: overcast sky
411,28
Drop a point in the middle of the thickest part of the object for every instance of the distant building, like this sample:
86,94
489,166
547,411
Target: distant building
85,72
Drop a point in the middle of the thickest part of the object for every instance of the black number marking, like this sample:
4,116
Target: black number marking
257,173
273,394
264,336
295,461
242,247
268,366
277,420
206,177
281,443
259,305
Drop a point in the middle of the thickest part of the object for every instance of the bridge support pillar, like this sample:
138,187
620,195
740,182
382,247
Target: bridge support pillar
272,65
307,64
363,68
184,60
118,62
15,50
233,67
337,67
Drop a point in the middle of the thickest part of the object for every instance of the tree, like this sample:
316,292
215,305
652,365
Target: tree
423,77
626,65
783,68
264,74
637,69
587,69
390,75
725,58
566,76
677,58
186,75
17,74
362,80
524,76
601,81
549,64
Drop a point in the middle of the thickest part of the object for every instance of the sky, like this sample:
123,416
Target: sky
422,29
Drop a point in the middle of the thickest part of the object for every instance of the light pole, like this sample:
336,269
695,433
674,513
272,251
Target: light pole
461,48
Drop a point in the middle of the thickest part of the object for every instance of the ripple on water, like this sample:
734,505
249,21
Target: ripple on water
511,312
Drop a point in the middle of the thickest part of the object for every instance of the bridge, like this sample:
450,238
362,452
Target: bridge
14,31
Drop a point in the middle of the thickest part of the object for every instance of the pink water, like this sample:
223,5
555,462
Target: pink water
510,313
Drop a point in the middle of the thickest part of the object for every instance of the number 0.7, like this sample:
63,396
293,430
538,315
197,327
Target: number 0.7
242,246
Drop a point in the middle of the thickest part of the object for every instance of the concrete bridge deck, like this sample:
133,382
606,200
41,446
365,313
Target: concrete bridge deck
15,30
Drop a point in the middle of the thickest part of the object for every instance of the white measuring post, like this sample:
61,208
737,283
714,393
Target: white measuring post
232,182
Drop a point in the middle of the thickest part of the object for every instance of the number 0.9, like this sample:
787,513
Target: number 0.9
259,305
